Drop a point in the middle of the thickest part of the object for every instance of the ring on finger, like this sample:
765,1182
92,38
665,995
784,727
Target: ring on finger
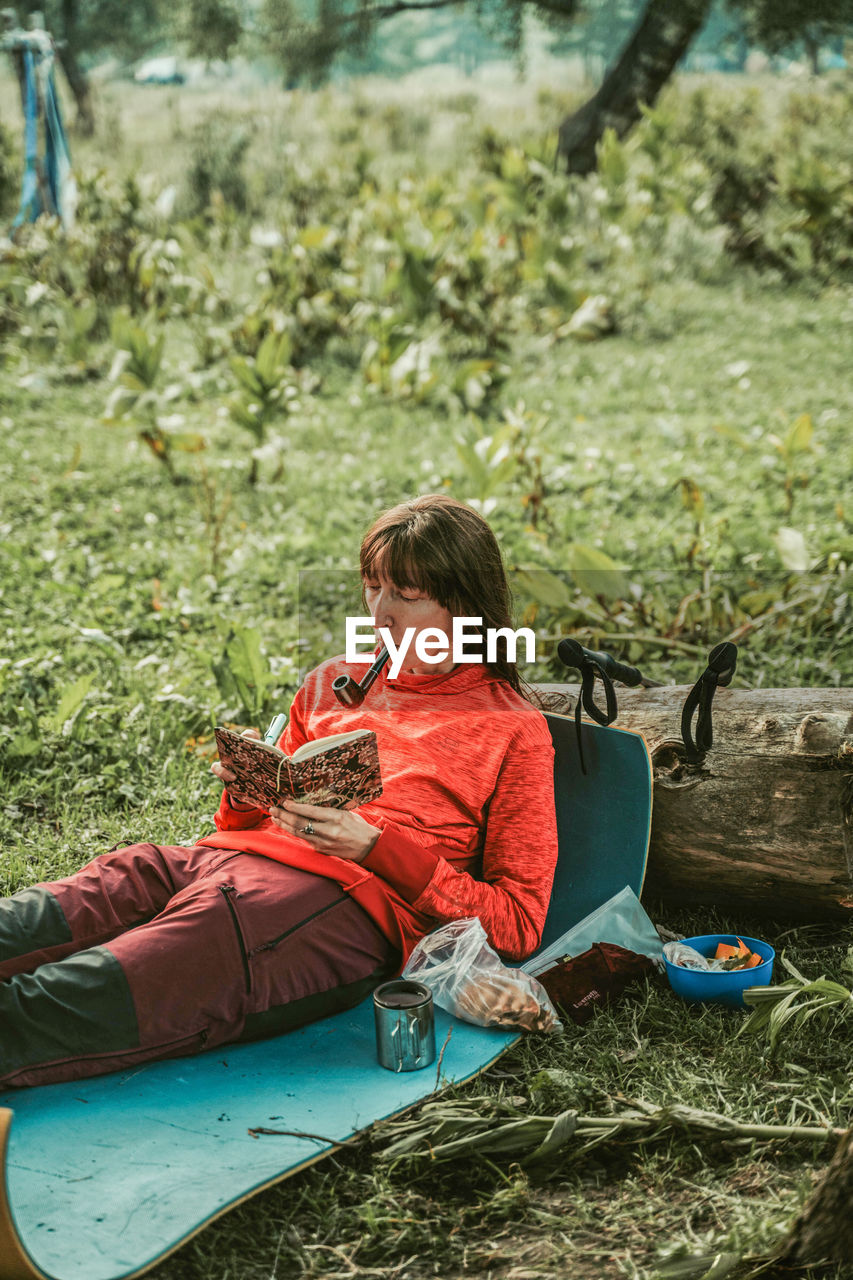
308,829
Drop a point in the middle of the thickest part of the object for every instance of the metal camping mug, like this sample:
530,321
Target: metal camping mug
405,1026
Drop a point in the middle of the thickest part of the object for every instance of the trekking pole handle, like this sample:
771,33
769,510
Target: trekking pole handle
573,654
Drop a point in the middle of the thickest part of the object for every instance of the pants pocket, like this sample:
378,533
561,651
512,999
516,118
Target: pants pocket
229,893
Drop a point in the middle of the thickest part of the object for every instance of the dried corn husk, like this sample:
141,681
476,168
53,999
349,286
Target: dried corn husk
487,1126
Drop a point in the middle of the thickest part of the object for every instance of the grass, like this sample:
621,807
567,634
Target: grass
660,446
620,1211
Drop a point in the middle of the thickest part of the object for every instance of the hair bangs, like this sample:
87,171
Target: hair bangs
389,554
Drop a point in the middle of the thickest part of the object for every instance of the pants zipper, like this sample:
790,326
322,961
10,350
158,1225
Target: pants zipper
268,946
227,890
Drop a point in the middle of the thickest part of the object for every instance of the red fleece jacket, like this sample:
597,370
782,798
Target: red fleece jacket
466,813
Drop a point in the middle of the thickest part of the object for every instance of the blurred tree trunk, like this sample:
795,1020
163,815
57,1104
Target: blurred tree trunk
823,1231
78,81
812,47
648,60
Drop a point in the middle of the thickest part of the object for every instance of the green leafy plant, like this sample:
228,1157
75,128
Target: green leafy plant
779,1009
80,323
63,719
243,673
216,170
215,506
488,462
161,282
135,373
267,390
792,448
791,451
9,170
701,554
397,362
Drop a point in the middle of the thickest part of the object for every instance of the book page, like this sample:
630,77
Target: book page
316,745
344,774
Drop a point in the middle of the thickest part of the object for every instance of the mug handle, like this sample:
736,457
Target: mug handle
397,1042
415,1036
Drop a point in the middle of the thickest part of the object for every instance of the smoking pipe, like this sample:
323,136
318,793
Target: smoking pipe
351,692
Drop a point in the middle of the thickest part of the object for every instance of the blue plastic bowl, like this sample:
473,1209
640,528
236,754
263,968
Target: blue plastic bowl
720,988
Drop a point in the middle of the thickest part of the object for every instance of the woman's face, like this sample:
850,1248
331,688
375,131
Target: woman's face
399,608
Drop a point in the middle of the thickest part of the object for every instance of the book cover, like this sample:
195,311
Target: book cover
341,771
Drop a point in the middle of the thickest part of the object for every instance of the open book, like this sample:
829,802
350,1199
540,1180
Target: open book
340,771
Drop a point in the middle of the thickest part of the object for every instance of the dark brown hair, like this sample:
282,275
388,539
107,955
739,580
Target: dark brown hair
447,550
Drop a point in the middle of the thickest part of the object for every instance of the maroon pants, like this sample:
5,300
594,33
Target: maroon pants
160,951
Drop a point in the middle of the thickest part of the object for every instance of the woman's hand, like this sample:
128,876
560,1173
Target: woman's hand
342,832
225,775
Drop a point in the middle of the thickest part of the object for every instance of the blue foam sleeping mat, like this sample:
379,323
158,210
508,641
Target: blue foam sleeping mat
103,1178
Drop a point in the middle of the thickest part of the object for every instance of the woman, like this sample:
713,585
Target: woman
279,918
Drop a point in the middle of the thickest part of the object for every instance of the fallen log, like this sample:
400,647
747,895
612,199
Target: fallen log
765,821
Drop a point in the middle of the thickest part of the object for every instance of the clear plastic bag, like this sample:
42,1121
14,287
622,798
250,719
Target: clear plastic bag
686,957
620,920
689,958
468,979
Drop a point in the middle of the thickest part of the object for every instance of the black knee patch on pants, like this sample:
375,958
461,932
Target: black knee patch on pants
67,1009
31,920
286,1017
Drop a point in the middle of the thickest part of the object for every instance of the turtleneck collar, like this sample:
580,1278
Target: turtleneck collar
459,680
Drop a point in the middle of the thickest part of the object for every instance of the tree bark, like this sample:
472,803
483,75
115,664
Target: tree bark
812,44
78,81
648,60
765,821
823,1231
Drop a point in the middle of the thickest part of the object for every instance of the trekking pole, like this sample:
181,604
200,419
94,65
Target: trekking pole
722,661
593,664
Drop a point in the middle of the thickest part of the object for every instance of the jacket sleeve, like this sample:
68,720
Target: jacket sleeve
227,818
519,857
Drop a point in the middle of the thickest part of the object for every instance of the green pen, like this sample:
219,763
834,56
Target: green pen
276,728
